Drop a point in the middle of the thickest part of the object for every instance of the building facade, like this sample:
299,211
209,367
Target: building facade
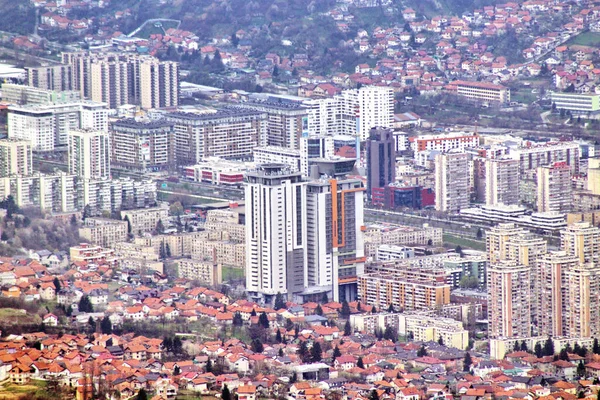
89,153
501,181
452,189
381,160
554,188
15,157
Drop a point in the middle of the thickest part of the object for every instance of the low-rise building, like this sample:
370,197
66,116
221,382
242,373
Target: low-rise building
103,231
207,272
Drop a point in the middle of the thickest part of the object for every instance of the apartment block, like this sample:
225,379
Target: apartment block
535,155
314,147
159,83
452,188
482,91
58,78
501,181
29,95
205,272
142,145
230,133
405,288
103,231
89,153
145,219
286,122
509,300
582,240
554,188
376,235
217,171
47,126
583,300
444,142
15,157
381,161
50,192
278,155
584,104
229,221
115,194
275,232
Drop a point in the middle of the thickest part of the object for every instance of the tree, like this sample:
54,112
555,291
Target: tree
358,307
162,252
373,395
167,250
177,345
390,333
479,233
4,236
128,224
209,366
279,302
458,250
516,347
160,228
142,395
73,220
253,313
278,338
275,71
324,298
303,352
234,40
580,369
91,324
336,352
85,305
360,363
280,352
87,212
106,326
293,378
538,350
467,362
257,346
176,370
549,347
524,346
345,311
316,354
263,320
391,308
373,310
56,283
176,208
440,340
347,329
225,393
422,352
318,310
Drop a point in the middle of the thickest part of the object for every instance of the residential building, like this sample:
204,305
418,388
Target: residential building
583,300
206,272
159,83
387,252
335,229
501,181
381,160
47,126
21,95
452,189
375,109
104,232
509,300
145,219
89,153
314,147
142,145
53,193
287,122
217,171
578,104
275,232
15,157
497,238
582,240
593,179
554,188
230,133
482,91
443,142
52,77
376,235
278,155
531,156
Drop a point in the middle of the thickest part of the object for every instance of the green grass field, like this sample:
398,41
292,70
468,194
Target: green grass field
232,273
591,39
451,240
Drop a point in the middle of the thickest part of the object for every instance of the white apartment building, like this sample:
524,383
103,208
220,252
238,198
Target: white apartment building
145,219
48,125
278,155
554,190
314,147
387,252
535,155
501,181
15,157
275,232
452,189
89,154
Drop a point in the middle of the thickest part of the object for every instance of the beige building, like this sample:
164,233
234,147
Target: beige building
501,181
138,257
582,240
593,178
496,239
509,300
21,94
145,219
452,188
159,83
15,157
89,153
377,234
482,91
103,231
52,77
583,301
206,272
555,192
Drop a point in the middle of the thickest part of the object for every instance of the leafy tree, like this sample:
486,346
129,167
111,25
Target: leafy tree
440,340
345,311
56,283
373,395
580,369
360,363
253,313
538,350
479,233
128,224
87,212
316,354
209,366
167,250
91,324
257,346
106,326
237,319
278,338
347,329
85,305
234,40
524,346
318,310
225,393
160,228
4,236
324,298
467,362
390,333
168,343
279,302
142,395
303,352
391,308
336,352
458,250
596,347
422,352
263,320
549,347
73,220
